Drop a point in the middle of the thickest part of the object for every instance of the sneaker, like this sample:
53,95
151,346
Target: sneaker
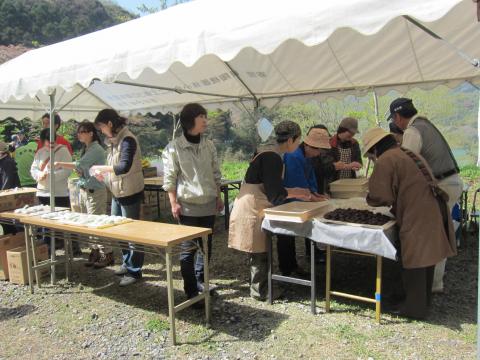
104,261
128,280
276,294
93,257
212,288
121,271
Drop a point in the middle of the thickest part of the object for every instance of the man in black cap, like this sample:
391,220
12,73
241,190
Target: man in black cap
422,137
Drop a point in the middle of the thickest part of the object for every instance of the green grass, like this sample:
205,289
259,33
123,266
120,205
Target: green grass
471,175
157,325
234,170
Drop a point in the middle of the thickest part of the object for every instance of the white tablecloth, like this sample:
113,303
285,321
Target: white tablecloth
357,238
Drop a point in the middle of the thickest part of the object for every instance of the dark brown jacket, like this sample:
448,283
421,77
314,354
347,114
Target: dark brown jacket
396,181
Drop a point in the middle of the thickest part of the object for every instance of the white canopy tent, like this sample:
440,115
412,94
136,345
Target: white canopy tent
224,51
249,51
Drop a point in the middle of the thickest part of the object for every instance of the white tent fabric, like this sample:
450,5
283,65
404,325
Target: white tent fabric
78,104
218,51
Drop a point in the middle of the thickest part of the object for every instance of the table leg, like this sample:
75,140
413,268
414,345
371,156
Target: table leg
313,277
328,279
378,289
171,304
158,203
28,234
33,258
53,258
270,268
227,207
68,241
206,279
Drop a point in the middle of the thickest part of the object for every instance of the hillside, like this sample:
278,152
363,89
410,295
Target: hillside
34,23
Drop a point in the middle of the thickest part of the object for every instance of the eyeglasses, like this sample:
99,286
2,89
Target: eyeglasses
83,132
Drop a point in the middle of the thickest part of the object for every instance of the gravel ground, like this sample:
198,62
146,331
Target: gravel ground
92,318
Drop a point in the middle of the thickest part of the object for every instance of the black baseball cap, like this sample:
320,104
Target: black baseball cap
398,105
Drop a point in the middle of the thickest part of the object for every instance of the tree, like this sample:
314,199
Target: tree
162,5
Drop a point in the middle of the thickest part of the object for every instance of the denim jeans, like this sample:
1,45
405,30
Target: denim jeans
133,260
191,268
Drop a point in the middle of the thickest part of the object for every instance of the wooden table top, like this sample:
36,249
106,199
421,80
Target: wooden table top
138,232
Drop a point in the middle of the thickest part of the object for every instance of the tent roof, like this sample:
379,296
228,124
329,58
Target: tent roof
217,51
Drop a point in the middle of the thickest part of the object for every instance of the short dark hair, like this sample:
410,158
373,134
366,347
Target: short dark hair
56,118
89,127
106,115
188,115
45,135
319,126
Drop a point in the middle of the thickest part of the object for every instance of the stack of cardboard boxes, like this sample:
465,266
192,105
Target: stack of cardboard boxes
13,258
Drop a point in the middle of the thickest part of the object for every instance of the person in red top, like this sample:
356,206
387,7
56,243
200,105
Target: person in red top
60,139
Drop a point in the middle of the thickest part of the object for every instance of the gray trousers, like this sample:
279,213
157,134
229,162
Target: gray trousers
258,275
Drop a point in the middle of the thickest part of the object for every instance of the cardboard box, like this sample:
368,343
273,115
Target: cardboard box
8,242
17,263
13,199
149,172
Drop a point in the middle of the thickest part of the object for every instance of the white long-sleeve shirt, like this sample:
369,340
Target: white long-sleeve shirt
61,175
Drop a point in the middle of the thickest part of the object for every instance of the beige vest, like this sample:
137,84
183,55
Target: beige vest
132,182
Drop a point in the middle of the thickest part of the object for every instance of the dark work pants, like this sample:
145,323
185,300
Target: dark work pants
191,268
60,201
417,284
287,256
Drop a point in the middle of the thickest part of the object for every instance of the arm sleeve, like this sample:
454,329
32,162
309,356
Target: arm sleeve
35,168
128,147
381,185
63,155
170,168
312,179
271,175
89,159
357,153
412,140
217,174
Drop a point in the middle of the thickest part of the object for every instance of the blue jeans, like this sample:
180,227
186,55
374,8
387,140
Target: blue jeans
133,260
191,268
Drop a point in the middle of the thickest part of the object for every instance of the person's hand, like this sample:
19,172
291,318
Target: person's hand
42,175
176,211
300,194
96,172
57,165
220,204
355,166
340,165
319,197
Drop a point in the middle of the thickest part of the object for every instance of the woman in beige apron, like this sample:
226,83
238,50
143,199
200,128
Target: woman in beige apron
262,188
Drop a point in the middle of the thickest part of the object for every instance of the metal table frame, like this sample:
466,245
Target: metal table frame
328,271
32,231
227,185
292,280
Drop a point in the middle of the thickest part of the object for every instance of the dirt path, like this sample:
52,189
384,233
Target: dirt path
94,318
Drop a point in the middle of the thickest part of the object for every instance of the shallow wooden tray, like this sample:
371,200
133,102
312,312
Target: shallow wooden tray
326,210
295,211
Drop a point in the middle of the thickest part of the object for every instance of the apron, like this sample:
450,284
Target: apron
245,228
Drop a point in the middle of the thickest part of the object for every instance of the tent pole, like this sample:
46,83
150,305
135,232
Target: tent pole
52,147
375,104
237,75
473,61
